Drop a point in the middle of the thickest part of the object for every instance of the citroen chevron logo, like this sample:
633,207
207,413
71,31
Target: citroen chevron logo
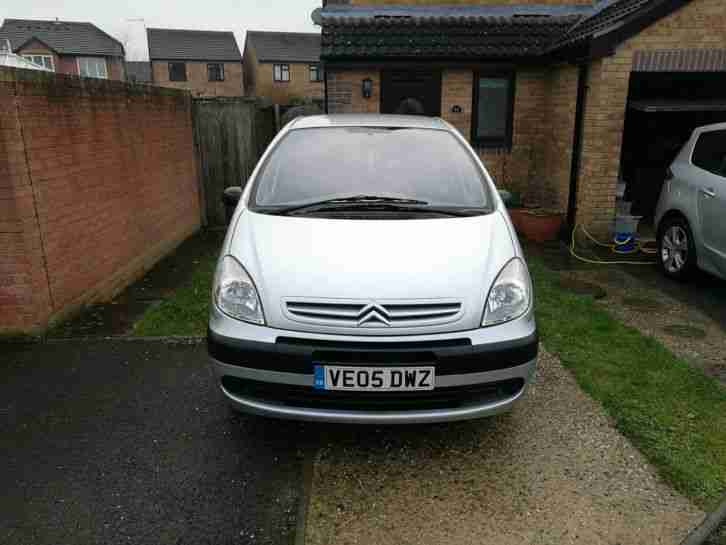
373,316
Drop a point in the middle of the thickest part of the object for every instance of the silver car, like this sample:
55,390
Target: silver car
692,207
371,274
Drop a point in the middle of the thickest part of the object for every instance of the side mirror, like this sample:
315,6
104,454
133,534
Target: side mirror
506,196
232,195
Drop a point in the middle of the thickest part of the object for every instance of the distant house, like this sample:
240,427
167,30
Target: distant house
138,71
80,49
283,66
208,63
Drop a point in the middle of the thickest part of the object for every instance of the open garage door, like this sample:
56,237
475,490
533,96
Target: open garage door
663,110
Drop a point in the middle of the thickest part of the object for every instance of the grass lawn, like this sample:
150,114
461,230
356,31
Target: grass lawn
186,312
674,414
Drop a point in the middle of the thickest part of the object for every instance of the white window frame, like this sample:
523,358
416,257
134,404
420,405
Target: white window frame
98,75
31,57
278,73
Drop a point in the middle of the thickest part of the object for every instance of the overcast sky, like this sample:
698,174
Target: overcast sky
113,16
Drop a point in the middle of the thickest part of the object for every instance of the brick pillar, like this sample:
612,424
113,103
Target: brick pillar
602,139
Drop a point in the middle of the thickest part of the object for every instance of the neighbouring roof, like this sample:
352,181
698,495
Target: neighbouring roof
139,71
63,37
201,45
284,46
479,31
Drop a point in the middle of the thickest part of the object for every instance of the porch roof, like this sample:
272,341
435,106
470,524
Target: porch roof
482,31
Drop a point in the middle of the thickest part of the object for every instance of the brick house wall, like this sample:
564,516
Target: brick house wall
698,25
68,64
97,182
520,168
259,81
198,79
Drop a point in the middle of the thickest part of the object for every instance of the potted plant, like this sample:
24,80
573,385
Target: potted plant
539,224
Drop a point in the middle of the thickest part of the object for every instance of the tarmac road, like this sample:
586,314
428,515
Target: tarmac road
129,442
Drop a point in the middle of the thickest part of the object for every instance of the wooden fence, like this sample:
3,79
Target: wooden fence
230,135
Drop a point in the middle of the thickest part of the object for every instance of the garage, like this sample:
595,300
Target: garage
664,107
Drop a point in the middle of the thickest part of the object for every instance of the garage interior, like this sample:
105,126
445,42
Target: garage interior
663,110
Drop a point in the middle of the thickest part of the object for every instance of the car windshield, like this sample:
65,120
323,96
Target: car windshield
311,165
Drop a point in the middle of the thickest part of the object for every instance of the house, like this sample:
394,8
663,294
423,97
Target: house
562,100
10,59
208,63
138,71
283,66
66,47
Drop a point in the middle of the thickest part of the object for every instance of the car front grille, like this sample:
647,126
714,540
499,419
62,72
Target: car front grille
307,396
372,314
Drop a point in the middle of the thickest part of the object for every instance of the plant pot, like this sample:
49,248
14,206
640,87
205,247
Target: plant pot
539,226
515,214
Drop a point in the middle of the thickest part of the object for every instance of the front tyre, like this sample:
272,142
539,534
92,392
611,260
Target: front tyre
676,249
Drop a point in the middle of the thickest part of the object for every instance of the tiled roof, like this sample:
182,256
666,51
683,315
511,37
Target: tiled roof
139,71
65,38
476,31
469,31
202,45
284,46
608,14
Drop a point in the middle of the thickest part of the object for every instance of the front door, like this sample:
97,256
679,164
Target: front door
416,92
709,155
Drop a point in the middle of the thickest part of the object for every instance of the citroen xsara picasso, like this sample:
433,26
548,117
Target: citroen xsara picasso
371,274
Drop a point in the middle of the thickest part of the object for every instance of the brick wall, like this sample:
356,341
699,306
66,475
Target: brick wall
558,133
281,92
198,79
345,91
698,25
520,168
97,182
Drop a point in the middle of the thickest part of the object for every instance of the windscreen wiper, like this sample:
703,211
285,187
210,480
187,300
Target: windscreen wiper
347,201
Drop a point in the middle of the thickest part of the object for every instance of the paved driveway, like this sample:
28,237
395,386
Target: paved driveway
127,442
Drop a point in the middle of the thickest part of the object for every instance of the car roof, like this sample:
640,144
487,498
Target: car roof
709,128
369,120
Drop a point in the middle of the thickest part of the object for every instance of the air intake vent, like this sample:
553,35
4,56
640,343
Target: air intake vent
373,314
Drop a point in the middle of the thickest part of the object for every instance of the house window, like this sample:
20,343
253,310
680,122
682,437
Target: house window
177,71
281,72
215,72
493,110
43,60
316,72
92,67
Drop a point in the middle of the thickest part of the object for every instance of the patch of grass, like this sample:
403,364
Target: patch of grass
186,312
674,414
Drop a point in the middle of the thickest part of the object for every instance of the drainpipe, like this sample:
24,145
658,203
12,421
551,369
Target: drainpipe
583,74
325,86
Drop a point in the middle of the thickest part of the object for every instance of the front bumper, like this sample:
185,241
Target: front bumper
273,374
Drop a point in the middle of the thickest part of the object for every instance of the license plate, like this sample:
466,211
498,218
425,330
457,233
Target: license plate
367,379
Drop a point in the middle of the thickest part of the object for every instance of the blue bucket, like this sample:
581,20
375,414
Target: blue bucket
625,243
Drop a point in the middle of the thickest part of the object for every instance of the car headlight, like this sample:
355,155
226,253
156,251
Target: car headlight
234,292
510,296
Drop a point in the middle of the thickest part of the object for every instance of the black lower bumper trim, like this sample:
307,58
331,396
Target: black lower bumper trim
439,398
299,355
